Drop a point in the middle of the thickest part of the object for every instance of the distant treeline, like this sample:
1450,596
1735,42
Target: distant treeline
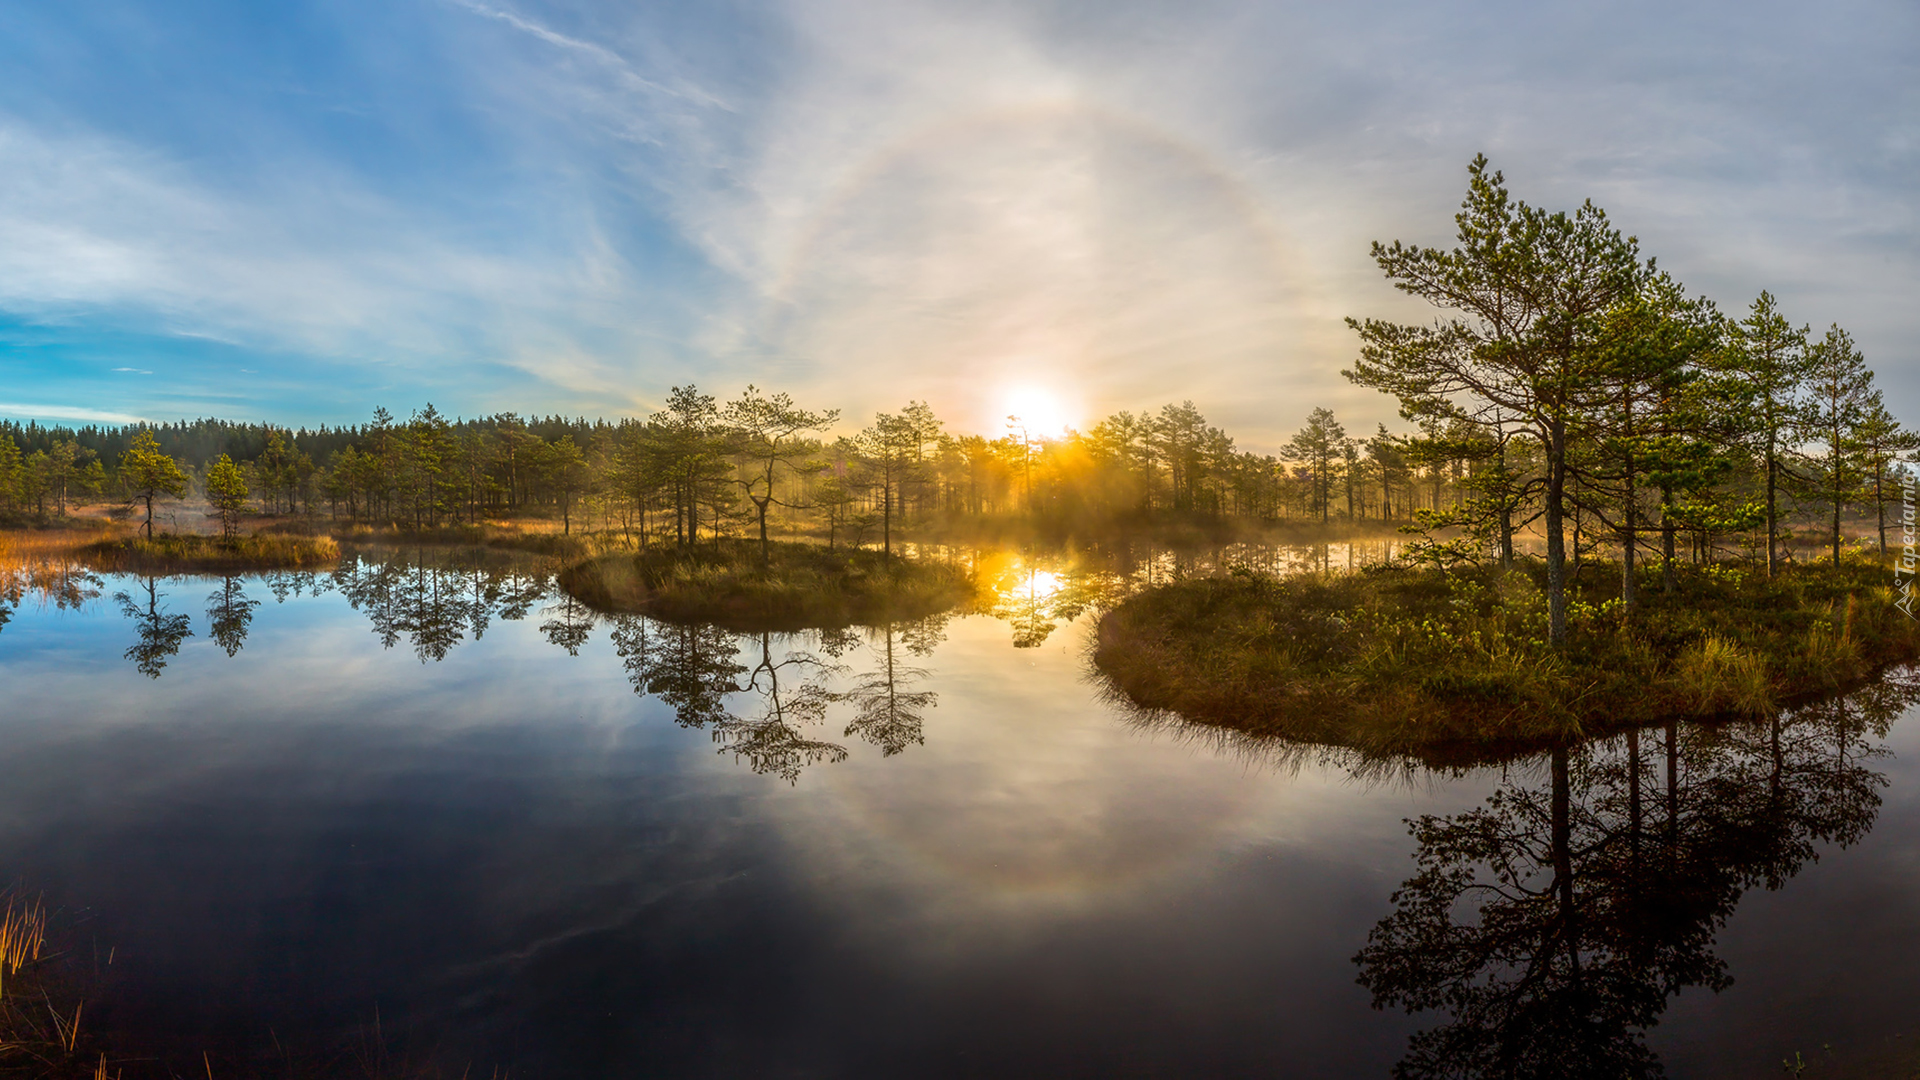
702,467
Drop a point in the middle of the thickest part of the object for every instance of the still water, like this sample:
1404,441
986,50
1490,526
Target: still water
429,793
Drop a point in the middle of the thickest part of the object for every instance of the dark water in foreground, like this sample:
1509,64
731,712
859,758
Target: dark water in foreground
431,791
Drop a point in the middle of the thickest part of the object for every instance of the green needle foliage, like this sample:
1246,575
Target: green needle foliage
227,491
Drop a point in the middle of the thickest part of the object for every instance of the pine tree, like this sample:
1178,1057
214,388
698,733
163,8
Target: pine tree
1839,390
148,473
1766,364
1530,291
227,491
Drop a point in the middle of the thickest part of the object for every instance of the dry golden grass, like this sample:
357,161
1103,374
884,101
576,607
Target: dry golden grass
23,932
175,554
19,546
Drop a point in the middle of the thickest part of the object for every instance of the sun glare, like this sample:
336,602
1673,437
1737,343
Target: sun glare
1040,411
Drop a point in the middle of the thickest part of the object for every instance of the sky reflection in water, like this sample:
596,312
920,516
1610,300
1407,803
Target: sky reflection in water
578,846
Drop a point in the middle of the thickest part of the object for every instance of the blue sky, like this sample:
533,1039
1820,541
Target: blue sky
297,211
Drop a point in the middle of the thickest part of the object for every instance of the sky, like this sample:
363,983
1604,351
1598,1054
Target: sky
296,212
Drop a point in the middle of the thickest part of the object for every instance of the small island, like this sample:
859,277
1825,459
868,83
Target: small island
739,585
173,553
1458,666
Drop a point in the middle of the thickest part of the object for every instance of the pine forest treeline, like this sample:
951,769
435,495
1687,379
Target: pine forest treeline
689,472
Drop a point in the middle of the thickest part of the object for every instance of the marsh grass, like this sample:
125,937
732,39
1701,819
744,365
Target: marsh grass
40,1015
1455,667
513,536
23,933
50,997
169,553
803,585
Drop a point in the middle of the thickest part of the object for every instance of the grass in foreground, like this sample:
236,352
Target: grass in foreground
803,585
175,554
1455,667
53,993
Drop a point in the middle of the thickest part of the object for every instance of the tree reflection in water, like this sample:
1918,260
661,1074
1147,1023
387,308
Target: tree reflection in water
1553,923
433,599
768,736
160,631
230,612
569,624
64,584
695,669
887,712
1035,602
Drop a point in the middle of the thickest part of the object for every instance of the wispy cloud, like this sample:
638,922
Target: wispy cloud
66,412
599,54
134,370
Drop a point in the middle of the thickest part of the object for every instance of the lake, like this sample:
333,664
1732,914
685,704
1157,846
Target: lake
428,807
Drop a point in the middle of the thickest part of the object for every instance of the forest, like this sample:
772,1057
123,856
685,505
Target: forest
1747,421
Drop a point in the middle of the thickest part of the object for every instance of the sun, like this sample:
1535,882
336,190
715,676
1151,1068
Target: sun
1040,411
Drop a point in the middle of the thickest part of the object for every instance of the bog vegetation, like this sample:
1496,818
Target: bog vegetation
1460,666
1598,404
737,585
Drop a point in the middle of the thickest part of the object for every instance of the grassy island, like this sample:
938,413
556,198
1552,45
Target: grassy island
169,553
799,585
1456,667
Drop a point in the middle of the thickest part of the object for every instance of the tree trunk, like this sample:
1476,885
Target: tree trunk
761,506
1838,497
1666,538
1556,535
1772,485
1880,504
1627,545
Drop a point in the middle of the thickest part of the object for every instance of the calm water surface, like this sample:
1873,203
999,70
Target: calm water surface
428,789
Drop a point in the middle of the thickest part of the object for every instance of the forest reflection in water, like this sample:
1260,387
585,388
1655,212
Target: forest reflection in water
763,697
1553,923
1548,928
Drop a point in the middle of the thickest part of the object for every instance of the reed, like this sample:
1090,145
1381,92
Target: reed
23,932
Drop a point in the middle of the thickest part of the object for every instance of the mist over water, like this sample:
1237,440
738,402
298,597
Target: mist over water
429,787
